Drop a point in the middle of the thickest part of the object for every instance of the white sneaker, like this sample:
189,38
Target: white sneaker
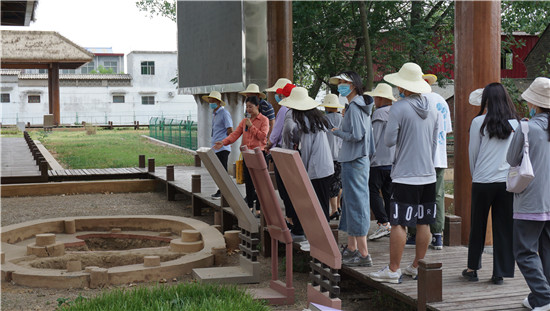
304,246
412,271
526,303
543,308
386,275
380,232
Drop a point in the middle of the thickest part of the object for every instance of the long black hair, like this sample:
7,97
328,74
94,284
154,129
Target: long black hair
317,120
358,84
500,109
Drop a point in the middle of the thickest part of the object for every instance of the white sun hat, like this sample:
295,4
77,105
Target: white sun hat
409,77
382,90
538,93
475,97
331,101
279,85
430,78
215,95
336,79
252,88
299,100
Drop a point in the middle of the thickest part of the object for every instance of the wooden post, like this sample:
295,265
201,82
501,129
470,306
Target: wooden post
197,161
279,44
195,183
477,63
142,161
452,234
151,165
53,91
430,283
169,172
170,189
44,170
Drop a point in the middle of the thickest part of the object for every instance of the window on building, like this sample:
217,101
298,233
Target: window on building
111,65
87,68
117,99
34,99
507,60
147,68
147,100
68,71
5,98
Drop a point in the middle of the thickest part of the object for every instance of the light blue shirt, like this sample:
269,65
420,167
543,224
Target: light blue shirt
221,121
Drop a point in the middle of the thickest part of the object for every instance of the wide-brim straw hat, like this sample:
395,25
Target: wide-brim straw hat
430,78
538,93
382,90
214,95
331,101
475,97
409,77
336,79
299,100
279,85
253,89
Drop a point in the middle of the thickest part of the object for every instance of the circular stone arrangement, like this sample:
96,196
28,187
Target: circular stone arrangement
52,253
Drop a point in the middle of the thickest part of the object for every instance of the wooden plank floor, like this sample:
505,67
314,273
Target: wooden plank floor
17,161
97,174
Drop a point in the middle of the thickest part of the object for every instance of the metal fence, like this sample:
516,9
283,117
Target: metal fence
182,133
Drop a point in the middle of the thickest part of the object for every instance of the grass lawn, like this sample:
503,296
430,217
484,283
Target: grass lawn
107,149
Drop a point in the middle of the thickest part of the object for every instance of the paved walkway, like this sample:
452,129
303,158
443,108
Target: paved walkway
17,163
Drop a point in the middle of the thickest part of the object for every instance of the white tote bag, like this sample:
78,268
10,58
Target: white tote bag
520,176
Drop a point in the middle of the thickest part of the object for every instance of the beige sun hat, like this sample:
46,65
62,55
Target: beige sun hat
409,78
475,97
279,85
253,88
538,93
430,78
299,100
331,101
334,80
382,90
214,95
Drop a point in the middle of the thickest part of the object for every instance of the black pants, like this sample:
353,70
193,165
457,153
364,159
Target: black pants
250,189
289,208
322,189
380,181
492,196
223,156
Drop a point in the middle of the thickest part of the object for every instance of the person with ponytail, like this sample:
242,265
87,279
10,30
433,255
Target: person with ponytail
491,132
357,148
531,211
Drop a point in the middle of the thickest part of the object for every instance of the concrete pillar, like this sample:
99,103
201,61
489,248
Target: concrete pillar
45,239
477,63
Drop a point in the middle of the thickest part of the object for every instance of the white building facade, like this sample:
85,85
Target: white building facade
145,91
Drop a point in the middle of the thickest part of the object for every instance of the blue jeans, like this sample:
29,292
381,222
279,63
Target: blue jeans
355,197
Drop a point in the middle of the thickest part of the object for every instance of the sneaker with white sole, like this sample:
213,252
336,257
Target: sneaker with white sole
437,241
412,271
358,261
526,304
304,246
346,252
382,231
542,308
386,275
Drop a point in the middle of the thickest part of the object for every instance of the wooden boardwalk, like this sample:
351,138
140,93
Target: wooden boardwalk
18,164
97,174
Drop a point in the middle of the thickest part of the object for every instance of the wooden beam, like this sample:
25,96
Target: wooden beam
53,91
477,63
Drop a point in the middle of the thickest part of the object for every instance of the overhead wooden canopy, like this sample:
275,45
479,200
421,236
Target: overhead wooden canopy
17,13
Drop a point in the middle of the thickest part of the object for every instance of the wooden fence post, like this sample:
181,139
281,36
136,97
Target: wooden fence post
430,283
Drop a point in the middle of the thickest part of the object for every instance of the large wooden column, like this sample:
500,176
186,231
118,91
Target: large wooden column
279,44
53,91
477,63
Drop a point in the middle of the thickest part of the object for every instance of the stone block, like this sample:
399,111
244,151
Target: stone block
99,277
89,269
70,226
185,247
44,239
220,255
190,235
74,265
53,250
151,261
232,239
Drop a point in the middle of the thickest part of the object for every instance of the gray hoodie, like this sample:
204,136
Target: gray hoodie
412,129
356,131
384,155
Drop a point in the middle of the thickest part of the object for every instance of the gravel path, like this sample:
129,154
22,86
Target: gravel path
20,209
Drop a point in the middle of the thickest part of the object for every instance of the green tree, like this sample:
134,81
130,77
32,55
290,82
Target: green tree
166,8
102,70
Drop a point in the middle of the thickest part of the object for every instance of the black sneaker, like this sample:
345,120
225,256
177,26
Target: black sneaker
216,195
497,280
470,276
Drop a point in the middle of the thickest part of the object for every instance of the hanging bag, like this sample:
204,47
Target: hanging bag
239,166
520,176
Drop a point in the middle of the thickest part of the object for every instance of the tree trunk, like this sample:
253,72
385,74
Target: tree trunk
315,87
366,43
416,13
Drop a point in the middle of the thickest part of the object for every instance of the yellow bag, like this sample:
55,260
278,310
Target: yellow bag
239,167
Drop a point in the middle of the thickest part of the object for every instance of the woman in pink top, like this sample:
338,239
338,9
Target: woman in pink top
254,131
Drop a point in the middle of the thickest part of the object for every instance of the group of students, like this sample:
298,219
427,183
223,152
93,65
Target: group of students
399,151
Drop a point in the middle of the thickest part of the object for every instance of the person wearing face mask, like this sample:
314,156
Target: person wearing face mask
412,129
491,132
357,147
253,129
532,206
222,125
